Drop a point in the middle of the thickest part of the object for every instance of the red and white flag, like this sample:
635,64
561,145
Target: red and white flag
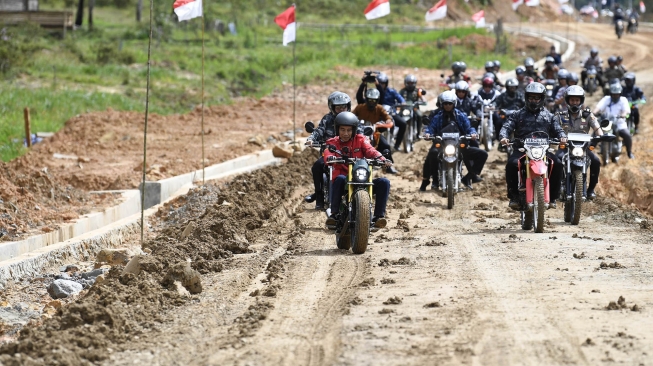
479,19
642,7
516,3
532,2
377,9
286,21
437,12
187,9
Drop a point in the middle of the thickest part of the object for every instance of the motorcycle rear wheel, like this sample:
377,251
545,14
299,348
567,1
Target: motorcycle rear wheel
361,215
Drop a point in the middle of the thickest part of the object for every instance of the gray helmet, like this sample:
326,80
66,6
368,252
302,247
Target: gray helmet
615,88
612,60
462,85
372,94
338,98
448,97
520,70
346,119
594,52
629,79
382,78
511,87
573,77
529,62
563,74
497,63
489,66
549,59
410,81
538,89
463,66
512,82
575,91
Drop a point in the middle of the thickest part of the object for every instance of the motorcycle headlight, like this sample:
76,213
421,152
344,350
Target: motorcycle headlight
361,175
449,150
537,152
578,152
405,112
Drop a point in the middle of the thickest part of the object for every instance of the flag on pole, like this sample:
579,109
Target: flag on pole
479,19
286,21
516,3
437,12
187,9
377,9
642,7
532,2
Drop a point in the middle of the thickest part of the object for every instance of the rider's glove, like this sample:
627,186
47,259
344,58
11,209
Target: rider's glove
586,113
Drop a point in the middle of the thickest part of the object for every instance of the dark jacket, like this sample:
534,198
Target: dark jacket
506,102
412,96
391,97
325,130
633,93
491,95
523,123
435,127
469,105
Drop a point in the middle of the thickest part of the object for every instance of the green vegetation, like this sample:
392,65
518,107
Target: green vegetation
106,67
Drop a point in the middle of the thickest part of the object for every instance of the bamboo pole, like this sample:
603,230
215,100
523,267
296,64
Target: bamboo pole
28,133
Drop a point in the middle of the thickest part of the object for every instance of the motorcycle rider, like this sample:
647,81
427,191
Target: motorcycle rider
520,72
556,56
473,157
511,100
616,105
390,97
633,15
346,123
337,102
577,119
620,60
531,72
468,104
592,60
497,66
533,117
562,88
562,82
490,69
458,73
413,94
618,15
613,73
489,92
550,71
633,93
374,113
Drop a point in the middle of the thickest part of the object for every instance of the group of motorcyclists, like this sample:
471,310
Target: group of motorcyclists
550,101
621,16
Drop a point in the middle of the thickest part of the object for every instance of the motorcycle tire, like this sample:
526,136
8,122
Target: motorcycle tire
489,135
450,187
578,197
605,152
361,215
408,137
569,204
538,205
325,191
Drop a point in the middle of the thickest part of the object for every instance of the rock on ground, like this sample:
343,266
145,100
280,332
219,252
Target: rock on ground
60,289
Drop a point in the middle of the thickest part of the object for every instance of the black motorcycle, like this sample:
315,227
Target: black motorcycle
632,25
576,162
619,28
591,80
354,222
408,113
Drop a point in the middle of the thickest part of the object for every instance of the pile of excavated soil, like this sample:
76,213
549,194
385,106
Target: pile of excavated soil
119,309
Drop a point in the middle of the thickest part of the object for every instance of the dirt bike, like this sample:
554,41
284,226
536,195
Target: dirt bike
591,80
630,120
486,128
534,179
619,28
611,151
576,162
632,25
450,146
354,222
407,112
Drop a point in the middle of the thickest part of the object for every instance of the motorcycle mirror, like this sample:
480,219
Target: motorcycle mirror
332,148
345,149
368,131
423,92
441,75
309,126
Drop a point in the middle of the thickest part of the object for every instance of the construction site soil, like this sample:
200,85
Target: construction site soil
243,272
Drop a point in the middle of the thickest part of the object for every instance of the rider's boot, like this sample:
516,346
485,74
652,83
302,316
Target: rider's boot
425,183
331,220
379,222
310,198
319,201
514,201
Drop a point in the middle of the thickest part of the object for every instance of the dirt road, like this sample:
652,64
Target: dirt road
438,286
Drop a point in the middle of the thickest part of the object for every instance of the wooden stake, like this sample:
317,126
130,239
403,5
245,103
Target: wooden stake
28,133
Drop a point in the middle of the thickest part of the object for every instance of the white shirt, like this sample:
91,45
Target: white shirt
619,109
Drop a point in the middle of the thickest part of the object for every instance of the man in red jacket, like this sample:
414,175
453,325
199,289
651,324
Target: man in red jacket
358,146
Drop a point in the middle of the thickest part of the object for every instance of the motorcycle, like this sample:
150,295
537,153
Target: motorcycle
576,162
486,127
619,28
353,226
630,120
450,146
632,25
591,80
611,151
407,112
549,84
534,180
326,176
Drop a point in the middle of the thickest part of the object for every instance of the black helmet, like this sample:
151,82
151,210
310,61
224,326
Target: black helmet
489,66
529,62
594,52
382,78
520,70
456,67
538,89
410,81
497,63
463,66
629,79
346,119
511,86
372,97
338,98
575,91
572,78
620,58
612,60
563,74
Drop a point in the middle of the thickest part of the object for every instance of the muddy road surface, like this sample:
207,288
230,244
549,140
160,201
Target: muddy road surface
437,286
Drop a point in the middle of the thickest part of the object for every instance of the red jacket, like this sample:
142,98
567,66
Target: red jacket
359,147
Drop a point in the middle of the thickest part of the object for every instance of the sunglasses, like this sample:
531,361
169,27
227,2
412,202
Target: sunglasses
447,103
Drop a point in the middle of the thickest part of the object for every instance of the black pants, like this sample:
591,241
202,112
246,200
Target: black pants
595,168
634,112
473,158
627,140
512,180
401,125
384,148
317,170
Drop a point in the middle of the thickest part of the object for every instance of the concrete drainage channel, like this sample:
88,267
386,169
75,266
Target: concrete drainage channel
84,238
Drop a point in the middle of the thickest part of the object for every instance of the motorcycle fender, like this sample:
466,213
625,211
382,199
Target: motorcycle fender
450,159
529,191
538,167
578,163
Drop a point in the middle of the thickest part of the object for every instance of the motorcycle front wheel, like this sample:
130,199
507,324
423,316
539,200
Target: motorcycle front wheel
408,137
577,197
538,205
361,215
451,184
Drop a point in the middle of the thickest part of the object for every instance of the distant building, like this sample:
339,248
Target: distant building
19,5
